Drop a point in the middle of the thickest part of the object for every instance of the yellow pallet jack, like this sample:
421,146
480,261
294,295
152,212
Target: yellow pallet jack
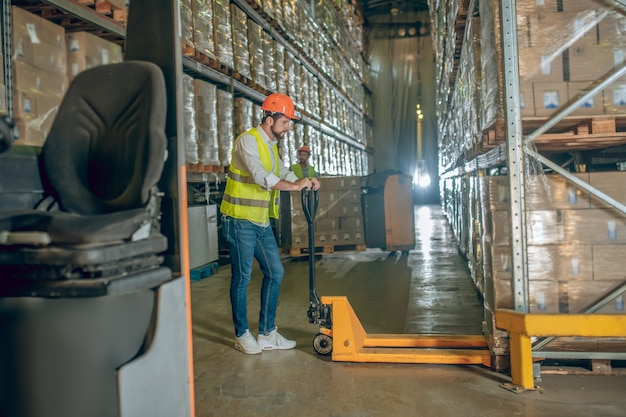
342,335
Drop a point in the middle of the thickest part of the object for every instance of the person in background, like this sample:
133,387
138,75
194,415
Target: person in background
302,169
256,176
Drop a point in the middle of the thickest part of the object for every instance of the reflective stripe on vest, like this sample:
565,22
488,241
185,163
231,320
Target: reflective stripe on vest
245,199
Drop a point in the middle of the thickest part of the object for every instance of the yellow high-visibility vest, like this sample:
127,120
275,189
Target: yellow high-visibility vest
245,199
297,169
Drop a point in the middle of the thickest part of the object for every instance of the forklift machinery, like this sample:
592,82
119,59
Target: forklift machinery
95,315
342,335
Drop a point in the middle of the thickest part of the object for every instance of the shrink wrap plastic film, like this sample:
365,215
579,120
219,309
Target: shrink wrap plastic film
189,121
206,122
564,48
225,128
241,53
223,32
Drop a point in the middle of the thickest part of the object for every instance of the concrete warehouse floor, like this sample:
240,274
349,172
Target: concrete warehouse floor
428,291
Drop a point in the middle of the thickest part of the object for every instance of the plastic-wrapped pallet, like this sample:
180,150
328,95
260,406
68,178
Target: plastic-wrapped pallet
206,122
268,61
257,113
292,71
303,90
290,17
203,38
279,62
39,53
255,47
222,32
225,125
186,26
241,53
243,115
189,121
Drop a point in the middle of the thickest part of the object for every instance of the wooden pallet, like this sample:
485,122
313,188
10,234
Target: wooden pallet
204,271
576,133
204,168
585,367
206,60
298,252
114,10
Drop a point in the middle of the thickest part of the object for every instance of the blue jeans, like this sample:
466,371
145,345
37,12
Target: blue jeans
247,241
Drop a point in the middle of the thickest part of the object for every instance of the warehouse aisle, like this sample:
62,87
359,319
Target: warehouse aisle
426,291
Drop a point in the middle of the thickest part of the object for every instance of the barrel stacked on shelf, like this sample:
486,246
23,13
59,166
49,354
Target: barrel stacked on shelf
45,59
223,37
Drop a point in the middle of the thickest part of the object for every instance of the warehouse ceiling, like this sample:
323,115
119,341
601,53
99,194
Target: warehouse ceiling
396,10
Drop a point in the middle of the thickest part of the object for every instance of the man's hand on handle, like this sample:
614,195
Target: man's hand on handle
308,183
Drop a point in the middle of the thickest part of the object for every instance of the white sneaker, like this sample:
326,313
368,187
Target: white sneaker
275,340
247,344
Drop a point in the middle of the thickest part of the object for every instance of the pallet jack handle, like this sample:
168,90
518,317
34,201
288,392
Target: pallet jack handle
310,201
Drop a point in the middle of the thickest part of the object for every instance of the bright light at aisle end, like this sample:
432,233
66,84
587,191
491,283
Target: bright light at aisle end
421,179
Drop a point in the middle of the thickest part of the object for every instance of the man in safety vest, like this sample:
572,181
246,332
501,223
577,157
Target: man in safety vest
256,175
302,169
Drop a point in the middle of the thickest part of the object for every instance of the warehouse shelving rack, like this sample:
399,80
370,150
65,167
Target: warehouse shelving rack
515,153
112,30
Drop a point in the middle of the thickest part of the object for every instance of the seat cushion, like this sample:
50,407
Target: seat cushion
107,146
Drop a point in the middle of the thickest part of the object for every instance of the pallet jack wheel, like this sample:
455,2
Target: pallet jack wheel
323,344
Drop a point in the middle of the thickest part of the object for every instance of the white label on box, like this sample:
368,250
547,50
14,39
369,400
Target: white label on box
618,56
19,50
545,64
619,95
612,228
522,102
587,104
551,100
575,266
105,56
74,45
32,33
540,2
27,108
74,68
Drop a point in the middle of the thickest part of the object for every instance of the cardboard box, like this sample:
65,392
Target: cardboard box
340,183
87,51
527,100
589,61
592,106
537,67
3,104
605,266
577,296
593,226
27,77
560,262
28,132
610,183
351,223
549,97
38,42
615,97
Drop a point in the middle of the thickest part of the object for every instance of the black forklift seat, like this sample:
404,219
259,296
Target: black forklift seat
101,163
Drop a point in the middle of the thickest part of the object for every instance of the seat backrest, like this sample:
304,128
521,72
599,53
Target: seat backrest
106,149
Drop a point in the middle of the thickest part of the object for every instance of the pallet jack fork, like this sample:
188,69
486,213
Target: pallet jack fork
342,334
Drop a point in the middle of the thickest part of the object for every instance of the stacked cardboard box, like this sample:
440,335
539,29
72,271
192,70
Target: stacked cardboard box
339,219
573,241
85,51
39,75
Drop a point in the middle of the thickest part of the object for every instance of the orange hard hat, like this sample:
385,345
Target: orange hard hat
279,103
305,149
